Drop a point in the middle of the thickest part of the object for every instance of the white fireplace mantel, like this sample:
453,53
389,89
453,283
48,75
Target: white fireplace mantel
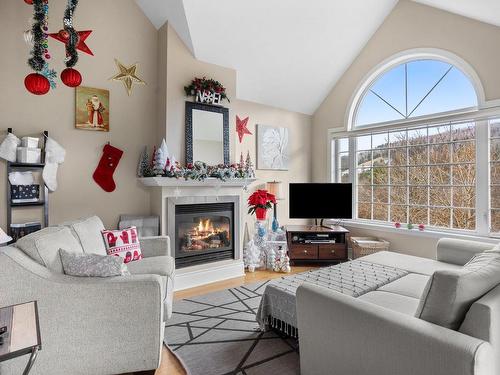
208,182
165,190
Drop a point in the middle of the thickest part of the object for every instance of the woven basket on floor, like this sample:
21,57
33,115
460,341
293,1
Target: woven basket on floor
362,246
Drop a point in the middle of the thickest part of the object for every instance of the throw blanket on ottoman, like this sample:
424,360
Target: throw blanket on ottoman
277,307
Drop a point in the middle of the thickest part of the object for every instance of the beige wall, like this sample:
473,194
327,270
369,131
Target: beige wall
182,67
409,26
120,31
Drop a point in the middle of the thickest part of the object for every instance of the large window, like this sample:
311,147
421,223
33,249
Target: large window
440,173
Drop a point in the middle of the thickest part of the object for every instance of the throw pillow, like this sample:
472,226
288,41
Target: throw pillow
449,294
123,243
92,265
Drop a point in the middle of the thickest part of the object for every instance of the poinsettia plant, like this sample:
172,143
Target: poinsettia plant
259,202
205,84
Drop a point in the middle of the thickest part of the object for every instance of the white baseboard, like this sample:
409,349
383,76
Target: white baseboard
191,277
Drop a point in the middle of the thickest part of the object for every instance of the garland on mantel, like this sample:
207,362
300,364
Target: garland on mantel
199,171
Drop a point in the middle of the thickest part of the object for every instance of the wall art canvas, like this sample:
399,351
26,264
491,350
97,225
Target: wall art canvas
272,147
92,109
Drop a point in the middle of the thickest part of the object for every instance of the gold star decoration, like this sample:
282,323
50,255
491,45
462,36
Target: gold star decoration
128,76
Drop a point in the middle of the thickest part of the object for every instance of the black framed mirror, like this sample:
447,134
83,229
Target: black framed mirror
207,134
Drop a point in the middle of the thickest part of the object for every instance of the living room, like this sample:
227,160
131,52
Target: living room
234,187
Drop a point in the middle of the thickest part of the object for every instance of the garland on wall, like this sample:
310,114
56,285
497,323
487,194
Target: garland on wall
40,82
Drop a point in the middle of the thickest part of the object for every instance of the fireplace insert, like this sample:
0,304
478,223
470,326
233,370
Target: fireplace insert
204,232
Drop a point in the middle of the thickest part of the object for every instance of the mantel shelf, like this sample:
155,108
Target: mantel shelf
209,182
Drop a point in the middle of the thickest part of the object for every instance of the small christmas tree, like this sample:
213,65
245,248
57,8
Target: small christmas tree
242,162
160,159
249,167
144,169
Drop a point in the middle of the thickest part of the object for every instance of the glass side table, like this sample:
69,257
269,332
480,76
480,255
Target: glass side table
20,333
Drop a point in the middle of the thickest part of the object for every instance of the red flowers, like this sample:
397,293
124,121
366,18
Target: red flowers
260,199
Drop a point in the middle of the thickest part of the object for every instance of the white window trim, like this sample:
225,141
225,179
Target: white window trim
404,57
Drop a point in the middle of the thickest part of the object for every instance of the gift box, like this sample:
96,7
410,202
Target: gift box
29,155
29,142
25,193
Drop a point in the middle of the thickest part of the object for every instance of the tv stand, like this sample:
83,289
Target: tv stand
317,243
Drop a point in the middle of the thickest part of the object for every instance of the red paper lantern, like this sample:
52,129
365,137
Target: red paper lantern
37,84
71,77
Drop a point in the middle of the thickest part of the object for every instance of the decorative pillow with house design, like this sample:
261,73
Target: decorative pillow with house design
123,243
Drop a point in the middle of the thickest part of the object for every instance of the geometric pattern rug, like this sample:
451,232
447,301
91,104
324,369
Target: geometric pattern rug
216,334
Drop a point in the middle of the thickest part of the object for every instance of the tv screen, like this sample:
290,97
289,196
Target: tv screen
320,201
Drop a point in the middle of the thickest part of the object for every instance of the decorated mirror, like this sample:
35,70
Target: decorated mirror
207,134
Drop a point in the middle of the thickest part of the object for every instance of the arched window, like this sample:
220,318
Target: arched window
412,89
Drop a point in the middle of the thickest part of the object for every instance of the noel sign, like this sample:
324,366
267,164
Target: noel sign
208,97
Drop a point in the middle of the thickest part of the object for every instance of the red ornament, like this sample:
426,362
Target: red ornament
63,36
71,77
241,127
421,227
397,224
37,84
29,2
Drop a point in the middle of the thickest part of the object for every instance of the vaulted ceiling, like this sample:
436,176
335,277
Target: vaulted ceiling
287,53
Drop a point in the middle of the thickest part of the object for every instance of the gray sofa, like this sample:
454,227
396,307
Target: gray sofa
89,325
377,333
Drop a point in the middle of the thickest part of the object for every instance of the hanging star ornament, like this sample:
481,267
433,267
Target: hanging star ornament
241,127
128,75
63,36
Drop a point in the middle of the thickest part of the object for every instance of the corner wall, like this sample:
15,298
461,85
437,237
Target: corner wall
121,31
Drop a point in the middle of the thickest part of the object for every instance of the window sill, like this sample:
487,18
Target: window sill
428,233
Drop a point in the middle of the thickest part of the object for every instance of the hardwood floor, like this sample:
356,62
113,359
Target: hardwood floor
169,363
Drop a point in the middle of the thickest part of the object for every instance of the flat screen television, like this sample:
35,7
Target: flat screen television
320,201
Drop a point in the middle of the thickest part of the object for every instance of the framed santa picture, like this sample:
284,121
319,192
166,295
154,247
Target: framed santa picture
92,109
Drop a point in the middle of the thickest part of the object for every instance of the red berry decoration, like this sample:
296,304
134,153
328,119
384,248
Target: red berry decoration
71,77
37,84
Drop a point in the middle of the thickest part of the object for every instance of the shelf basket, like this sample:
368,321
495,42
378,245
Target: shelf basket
362,246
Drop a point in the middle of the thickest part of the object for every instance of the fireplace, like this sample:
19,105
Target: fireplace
204,233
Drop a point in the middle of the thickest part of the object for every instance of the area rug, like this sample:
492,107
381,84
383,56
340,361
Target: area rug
216,334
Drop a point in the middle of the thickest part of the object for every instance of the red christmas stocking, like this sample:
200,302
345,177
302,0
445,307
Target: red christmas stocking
103,174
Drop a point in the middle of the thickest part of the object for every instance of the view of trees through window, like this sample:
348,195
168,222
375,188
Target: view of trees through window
495,175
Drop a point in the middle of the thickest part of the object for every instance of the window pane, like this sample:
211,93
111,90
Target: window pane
495,173
463,152
439,175
418,176
380,176
495,221
364,193
364,176
464,219
418,215
417,155
397,139
464,196
399,214
364,142
343,160
343,145
380,194
418,195
440,196
344,175
380,157
462,132
464,174
364,211
495,128
439,134
417,136
495,150
439,154
398,195
440,217
380,140
398,156
364,159
380,212
398,176
495,197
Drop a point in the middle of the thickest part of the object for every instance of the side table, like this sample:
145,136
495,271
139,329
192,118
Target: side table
20,333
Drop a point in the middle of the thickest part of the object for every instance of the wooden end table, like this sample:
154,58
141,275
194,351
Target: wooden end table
20,333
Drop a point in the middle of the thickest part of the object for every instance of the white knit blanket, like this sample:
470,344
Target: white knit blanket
351,278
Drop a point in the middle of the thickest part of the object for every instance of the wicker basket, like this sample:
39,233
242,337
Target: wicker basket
362,246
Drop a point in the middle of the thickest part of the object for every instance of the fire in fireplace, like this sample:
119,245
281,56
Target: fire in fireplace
204,233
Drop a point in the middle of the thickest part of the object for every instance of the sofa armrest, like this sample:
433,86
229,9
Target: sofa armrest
459,252
344,335
155,246
91,325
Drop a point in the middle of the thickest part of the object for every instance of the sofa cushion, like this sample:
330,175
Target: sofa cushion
163,266
449,294
411,285
88,232
43,246
396,302
123,243
409,263
92,265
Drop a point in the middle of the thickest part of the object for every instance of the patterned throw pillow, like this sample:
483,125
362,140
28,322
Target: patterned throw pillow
92,265
123,243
